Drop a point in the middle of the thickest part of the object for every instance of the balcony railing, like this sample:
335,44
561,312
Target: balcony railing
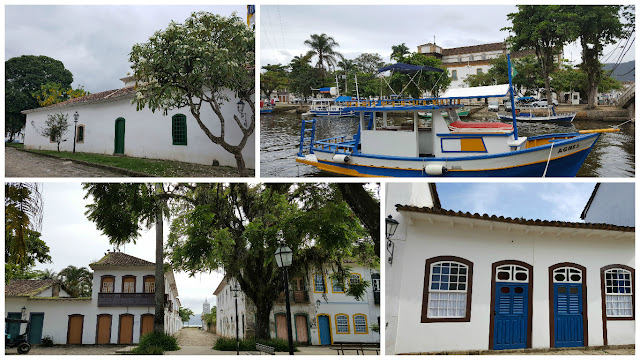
295,296
126,299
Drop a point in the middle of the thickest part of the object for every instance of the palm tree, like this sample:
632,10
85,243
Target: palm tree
47,274
398,52
76,281
23,208
346,65
322,47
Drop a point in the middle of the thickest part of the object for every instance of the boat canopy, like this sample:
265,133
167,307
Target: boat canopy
408,68
343,98
477,92
325,90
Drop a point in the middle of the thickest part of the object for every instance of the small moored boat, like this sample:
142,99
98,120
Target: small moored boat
524,114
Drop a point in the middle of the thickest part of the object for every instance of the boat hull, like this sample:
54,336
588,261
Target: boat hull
551,118
266,111
566,159
330,113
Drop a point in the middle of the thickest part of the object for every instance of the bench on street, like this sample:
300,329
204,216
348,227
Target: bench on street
269,350
359,347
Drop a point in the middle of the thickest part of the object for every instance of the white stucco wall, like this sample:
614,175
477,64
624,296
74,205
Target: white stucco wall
483,243
147,134
613,203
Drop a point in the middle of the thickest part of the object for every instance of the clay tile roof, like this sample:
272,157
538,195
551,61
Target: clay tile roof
27,287
474,49
537,222
104,95
121,259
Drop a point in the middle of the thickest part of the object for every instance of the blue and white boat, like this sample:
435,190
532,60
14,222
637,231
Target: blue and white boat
449,147
525,114
331,107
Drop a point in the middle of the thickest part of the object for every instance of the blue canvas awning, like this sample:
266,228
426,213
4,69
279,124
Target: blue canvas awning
343,98
408,68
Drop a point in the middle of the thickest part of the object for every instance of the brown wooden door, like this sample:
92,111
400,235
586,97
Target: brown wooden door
104,329
301,329
74,331
146,324
281,325
126,329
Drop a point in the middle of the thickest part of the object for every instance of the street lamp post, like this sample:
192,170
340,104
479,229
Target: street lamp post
392,225
240,106
76,116
235,288
284,258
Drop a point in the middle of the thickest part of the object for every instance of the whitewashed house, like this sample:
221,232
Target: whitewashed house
321,312
611,203
109,124
119,311
466,282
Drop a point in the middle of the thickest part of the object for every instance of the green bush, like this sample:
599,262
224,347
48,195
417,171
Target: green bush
229,344
155,344
47,341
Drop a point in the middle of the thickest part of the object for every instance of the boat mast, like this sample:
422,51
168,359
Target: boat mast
513,107
357,93
337,85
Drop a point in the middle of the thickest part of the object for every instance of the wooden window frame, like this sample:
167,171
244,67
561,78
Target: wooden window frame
134,282
348,325
78,141
144,283
425,291
113,279
366,324
178,120
603,295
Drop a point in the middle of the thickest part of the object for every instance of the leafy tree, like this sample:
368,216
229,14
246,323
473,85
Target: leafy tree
398,52
428,81
47,274
529,75
303,77
54,128
543,28
185,314
211,318
23,209
347,67
596,27
76,281
369,63
53,93
23,76
37,251
121,211
236,226
195,64
274,78
323,46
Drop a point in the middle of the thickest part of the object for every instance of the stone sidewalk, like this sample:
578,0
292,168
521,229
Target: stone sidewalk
23,164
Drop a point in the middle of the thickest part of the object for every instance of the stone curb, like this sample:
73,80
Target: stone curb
524,351
130,173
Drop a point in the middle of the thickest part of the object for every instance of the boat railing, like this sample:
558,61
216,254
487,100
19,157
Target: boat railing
338,143
401,102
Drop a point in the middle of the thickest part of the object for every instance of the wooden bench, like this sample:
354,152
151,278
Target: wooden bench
269,350
359,347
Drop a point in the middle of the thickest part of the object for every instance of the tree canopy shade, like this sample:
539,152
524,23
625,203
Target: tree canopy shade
195,64
53,93
274,78
25,75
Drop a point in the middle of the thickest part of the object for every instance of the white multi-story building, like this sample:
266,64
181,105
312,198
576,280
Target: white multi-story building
119,311
321,312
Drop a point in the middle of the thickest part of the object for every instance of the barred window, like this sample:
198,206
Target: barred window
336,285
360,324
318,283
354,279
80,137
446,296
179,129
342,324
619,293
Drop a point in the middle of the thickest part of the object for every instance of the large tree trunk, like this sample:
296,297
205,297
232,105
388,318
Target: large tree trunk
366,208
263,309
158,318
591,66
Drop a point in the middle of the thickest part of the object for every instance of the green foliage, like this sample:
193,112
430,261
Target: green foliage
368,63
273,79
375,328
53,93
229,344
76,281
211,318
303,77
155,343
431,82
322,46
23,76
47,341
194,64
398,52
185,314
54,128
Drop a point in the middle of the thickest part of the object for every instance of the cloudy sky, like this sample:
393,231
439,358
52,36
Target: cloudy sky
74,240
93,42
560,201
374,29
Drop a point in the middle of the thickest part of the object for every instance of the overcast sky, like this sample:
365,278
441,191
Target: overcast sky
374,29
561,201
74,240
93,42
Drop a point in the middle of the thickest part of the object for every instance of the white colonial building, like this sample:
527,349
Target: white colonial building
321,312
611,203
109,124
119,311
465,282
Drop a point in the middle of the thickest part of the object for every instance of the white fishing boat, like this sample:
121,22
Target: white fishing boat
331,107
449,147
531,114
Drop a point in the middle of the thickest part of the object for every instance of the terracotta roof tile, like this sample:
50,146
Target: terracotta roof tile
474,49
27,287
104,95
537,222
121,259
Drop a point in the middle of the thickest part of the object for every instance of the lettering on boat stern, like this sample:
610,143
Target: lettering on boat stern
568,148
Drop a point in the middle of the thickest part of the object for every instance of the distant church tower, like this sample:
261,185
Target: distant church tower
206,307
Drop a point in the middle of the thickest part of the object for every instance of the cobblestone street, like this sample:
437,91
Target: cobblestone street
23,164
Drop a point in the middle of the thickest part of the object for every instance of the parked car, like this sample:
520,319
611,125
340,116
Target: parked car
494,106
543,103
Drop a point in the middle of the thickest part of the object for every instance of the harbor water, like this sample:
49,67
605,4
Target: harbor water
612,156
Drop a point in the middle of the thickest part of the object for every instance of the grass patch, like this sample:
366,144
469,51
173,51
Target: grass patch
14,145
229,344
156,344
154,167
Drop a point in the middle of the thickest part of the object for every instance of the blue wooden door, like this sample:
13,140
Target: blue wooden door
511,315
568,320
324,330
35,328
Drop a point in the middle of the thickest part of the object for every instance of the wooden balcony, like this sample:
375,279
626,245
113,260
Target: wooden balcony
296,296
126,299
